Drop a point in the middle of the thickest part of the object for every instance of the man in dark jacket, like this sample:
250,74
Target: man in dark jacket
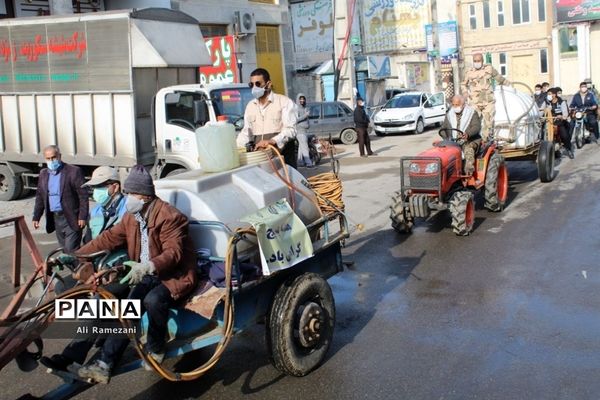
361,122
60,195
464,118
585,99
155,235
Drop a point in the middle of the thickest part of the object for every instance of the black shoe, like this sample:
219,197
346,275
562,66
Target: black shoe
56,361
570,154
372,154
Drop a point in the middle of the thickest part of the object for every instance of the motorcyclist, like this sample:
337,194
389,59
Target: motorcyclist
466,119
560,113
585,99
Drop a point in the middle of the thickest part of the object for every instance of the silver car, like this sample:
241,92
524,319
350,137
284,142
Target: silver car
332,118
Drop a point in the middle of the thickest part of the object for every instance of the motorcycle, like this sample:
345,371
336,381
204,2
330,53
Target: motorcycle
315,149
581,133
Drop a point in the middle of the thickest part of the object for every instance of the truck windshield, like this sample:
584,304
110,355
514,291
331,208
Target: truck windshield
180,109
231,102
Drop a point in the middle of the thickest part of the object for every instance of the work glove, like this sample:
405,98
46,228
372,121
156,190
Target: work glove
137,271
67,259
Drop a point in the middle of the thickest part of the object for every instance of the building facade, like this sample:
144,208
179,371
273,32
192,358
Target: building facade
513,35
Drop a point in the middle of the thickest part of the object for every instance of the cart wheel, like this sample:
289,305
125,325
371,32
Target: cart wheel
545,161
300,324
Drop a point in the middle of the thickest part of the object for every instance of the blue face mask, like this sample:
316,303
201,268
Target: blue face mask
101,196
53,165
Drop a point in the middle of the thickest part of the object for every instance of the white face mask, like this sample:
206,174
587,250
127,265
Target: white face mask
549,97
457,110
133,205
538,92
477,65
258,92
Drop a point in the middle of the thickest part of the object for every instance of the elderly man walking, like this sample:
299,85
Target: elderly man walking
477,87
62,198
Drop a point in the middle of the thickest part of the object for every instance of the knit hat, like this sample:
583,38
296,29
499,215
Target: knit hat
139,181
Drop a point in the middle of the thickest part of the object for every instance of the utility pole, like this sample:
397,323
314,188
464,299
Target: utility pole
343,63
436,46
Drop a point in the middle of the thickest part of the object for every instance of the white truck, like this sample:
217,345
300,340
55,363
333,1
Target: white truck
110,88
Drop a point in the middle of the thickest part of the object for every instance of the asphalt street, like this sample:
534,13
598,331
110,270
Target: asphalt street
510,312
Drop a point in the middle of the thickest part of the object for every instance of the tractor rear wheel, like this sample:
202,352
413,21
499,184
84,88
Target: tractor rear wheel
462,209
300,324
545,161
496,183
397,215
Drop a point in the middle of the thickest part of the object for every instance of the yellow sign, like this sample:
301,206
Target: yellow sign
394,24
282,237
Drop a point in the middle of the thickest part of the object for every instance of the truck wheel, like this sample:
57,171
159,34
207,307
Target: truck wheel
462,209
496,183
300,324
400,223
349,136
11,186
420,128
545,161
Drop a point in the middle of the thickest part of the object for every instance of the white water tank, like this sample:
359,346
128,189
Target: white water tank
511,104
228,196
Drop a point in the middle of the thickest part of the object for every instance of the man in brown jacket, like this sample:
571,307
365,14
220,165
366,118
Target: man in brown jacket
155,235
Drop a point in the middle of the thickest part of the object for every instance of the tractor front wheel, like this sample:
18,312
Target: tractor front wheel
462,209
496,183
400,222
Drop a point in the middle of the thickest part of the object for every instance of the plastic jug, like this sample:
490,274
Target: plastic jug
217,149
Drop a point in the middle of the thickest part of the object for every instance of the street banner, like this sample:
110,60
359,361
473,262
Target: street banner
312,24
576,10
282,237
394,24
379,67
447,39
222,53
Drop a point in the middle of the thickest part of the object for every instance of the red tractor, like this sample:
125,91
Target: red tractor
434,181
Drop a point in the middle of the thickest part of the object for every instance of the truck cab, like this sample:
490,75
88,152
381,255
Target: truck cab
180,110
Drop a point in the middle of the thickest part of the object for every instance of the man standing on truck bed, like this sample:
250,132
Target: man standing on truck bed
270,118
60,195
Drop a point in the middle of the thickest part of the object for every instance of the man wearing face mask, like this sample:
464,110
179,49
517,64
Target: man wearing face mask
465,119
163,271
269,119
302,132
538,96
110,202
585,99
60,196
477,87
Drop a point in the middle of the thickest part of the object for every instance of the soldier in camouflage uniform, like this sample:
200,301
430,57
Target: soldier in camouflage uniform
477,87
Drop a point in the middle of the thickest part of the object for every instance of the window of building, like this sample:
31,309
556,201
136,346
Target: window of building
541,10
213,30
472,17
500,13
567,38
544,61
520,11
486,14
502,63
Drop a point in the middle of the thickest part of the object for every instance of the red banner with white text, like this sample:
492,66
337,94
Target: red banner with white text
224,67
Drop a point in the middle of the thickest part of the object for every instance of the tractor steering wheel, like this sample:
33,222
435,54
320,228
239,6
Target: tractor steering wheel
452,134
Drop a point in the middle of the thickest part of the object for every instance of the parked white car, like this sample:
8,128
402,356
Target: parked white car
412,111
